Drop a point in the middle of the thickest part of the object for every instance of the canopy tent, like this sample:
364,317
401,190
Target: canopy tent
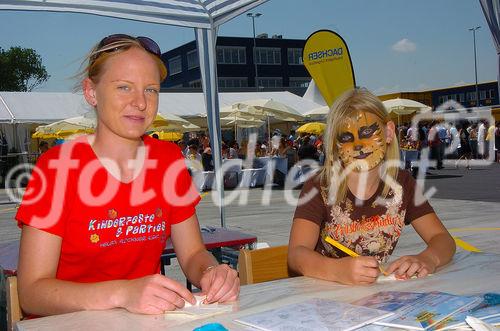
20,109
404,106
491,10
48,107
205,16
319,113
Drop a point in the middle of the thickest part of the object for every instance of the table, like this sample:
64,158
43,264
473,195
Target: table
281,163
407,156
215,239
468,273
9,256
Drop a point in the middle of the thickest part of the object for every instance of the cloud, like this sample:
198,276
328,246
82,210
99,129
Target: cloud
404,46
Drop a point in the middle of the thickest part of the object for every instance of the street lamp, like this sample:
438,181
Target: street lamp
253,16
475,62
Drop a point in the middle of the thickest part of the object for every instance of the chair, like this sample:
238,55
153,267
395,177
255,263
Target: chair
262,265
14,312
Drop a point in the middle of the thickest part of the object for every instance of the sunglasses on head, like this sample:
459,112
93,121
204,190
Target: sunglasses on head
149,44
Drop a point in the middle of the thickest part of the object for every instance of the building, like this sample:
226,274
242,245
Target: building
463,94
278,63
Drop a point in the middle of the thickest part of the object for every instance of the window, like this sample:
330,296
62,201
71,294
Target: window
193,60
441,100
267,55
482,95
299,81
231,55
490,94
295,56
195,84
471,96
233,82
461,97
270,82
175,65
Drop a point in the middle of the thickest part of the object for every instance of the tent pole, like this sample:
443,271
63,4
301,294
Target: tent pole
268,133
205,40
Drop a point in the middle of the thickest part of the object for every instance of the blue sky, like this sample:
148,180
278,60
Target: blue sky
395,45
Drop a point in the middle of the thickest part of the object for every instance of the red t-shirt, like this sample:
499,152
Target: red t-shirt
109,229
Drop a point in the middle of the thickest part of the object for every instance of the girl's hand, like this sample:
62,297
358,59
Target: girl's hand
220,284
154,295
412,265
362,270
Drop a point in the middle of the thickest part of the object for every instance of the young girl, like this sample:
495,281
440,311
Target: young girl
98,210
361,200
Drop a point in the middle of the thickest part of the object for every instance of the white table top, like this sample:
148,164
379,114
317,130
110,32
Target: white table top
468,273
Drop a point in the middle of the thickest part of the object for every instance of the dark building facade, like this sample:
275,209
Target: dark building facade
279,65
464,94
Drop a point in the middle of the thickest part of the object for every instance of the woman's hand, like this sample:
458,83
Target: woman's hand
153,295
220,284
362,270
412,265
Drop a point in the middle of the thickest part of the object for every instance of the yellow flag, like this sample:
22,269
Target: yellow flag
328,61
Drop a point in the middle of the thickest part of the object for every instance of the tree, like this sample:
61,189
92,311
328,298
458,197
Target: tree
21,69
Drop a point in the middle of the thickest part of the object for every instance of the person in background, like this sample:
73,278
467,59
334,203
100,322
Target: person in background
362,200
307,151
225,151
489,140
473,140
206,156
481,135
435,145
464,152
497,142
80,251
43,146
234,150
182,147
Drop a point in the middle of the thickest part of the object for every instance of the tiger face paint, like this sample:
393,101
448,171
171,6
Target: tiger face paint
361,141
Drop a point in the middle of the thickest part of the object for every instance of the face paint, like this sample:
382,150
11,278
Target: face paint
361,140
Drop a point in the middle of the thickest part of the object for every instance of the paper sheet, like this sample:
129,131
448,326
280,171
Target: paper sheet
201,308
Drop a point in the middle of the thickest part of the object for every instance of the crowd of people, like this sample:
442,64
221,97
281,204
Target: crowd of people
294,147
461,140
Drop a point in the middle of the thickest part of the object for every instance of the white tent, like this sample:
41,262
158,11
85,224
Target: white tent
205,16
47,107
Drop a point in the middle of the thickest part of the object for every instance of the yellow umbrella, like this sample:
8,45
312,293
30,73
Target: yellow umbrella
171,123
313,128
168,136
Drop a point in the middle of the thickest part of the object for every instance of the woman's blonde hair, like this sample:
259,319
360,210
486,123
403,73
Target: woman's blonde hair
94,61
346,106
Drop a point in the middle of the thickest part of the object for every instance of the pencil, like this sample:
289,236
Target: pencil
348,251
341,247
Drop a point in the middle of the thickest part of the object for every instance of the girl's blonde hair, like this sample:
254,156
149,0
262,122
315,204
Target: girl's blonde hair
346,106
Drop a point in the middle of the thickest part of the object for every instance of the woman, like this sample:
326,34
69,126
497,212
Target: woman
473,142
362,201
98,211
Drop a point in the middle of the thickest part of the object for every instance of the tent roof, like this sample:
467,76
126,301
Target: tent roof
189,13
47,107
